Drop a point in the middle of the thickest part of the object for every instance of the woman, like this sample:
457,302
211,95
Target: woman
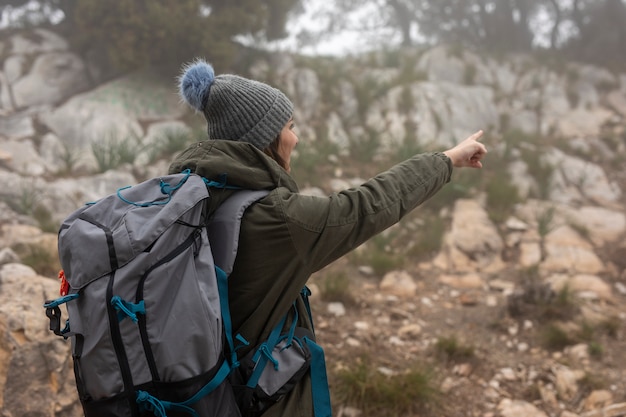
286,237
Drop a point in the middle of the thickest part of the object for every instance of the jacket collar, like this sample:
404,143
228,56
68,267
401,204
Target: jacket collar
237,163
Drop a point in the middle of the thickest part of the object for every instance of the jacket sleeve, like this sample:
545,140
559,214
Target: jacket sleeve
325,228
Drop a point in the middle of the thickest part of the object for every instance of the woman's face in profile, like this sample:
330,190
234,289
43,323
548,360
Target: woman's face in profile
287,142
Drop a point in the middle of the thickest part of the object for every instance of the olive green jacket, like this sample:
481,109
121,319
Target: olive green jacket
286,236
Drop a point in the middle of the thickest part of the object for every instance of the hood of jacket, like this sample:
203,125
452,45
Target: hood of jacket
235,164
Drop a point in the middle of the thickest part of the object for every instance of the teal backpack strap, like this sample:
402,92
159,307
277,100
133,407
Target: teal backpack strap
319,377
305,294
159,408
166,189
319,380
264,354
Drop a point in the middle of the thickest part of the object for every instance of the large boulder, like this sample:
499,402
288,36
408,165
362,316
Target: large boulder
53,77
17,126
37,41
441,113
473,242
113,114
61,196
36,377
577,180
567,251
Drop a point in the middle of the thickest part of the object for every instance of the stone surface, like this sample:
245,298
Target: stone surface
36,369
473,240
518,408
52,78
50,115
398,283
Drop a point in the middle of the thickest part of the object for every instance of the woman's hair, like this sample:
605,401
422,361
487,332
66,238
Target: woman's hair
272,152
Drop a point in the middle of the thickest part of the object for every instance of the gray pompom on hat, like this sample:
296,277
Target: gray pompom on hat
235,108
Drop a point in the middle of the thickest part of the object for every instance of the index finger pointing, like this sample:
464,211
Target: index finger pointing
477,135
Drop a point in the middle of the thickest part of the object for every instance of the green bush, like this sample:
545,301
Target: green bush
540,170
44,219
591,382
502,196
429,238
366,149
111,151
26,200
336,287
595,349
69,156
42,260
310,160
450,349
365,388
410,145
554,337
379,257
461,186
375,254
383,262
545,221
130,34
562,306
170,142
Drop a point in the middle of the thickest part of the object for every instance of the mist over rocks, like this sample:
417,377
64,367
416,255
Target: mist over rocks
568,227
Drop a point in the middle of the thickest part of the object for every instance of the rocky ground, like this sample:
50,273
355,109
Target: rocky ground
499,359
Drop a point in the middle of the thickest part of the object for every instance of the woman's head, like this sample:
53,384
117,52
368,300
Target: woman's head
235,108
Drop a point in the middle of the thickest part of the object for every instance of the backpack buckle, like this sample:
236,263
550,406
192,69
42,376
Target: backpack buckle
54,314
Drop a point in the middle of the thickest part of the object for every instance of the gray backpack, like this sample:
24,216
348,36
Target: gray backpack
145,285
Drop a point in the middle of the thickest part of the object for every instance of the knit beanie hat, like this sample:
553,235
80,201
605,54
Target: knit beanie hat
235,108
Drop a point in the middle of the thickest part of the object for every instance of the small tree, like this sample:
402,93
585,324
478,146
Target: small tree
128,34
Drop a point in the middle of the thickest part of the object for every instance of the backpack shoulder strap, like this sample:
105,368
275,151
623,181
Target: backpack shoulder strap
223,231
224,227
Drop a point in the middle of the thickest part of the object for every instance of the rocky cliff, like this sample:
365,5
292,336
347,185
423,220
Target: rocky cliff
531,246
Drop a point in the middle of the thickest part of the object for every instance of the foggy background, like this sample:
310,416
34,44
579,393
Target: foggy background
502,296
130,34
